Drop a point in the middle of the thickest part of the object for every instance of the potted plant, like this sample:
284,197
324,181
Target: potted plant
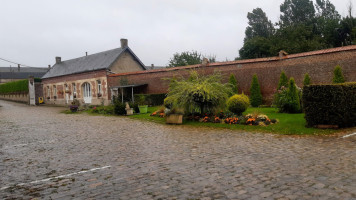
142,106
75,105
174,115
99,95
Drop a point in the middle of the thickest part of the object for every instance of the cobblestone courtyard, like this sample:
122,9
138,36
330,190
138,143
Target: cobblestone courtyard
48,155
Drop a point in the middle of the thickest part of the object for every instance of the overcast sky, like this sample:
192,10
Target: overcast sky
34,32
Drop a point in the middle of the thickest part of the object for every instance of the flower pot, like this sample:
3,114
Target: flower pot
143,109
174,119
129,111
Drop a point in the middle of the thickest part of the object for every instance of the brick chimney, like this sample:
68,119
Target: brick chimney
58,60
124,43
282,54
205,62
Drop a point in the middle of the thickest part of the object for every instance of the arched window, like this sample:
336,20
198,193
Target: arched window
86,90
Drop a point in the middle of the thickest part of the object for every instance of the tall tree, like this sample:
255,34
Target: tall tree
296,12
259,24
185,58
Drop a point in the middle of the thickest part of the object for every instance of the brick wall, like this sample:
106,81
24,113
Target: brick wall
319,65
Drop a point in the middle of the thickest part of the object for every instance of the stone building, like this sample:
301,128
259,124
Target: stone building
85,78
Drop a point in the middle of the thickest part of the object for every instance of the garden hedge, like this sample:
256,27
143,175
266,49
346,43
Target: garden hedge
14,87
153,99
330,104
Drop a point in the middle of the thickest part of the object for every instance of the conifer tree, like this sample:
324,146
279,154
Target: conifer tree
307,80
283,80
233,83
255,92
338,76
293,97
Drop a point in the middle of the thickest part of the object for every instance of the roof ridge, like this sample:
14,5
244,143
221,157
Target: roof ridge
91,54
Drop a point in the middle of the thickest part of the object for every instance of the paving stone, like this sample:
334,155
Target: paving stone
155,161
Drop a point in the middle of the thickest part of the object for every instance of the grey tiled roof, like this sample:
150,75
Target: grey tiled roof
23,73
102,60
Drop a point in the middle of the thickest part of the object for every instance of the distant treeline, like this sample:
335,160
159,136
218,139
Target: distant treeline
303,26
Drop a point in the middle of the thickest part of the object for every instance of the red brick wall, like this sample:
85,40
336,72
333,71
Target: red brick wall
320,68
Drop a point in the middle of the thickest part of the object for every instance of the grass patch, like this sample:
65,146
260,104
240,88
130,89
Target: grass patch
289,124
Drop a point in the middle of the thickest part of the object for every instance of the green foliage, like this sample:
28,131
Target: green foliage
302,27
338,75
255,92
198,93
283,80
185,58
287,100
330,104
296,11
105,110
188,58
238,103
13,87
306,80
233,84
140,99
152,99
259,24
119,107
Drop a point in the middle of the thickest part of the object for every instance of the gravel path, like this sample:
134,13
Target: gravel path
48,155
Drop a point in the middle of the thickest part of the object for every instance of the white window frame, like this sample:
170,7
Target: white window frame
99,87
74,90
55,91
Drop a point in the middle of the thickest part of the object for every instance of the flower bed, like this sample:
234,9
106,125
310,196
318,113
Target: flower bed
254,119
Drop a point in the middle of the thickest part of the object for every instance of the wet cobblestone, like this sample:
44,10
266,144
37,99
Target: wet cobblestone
153,161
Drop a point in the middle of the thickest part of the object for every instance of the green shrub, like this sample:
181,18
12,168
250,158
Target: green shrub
233,84
119,108
198,94
338,76
255,92
238,103
152,99
307,80
330,104
107,110
283,80
288,99
13,87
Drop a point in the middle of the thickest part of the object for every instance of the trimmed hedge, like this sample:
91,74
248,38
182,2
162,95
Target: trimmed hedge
330,104
153,99
13,87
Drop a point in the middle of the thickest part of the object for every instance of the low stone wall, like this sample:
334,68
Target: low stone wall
18,97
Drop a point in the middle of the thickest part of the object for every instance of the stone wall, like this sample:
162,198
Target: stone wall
318,64
18,97
65,97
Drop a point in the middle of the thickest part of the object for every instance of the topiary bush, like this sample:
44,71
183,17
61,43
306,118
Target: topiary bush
288,99
306,80
238,103
233,84
283,80
330,104
255,92
338,76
